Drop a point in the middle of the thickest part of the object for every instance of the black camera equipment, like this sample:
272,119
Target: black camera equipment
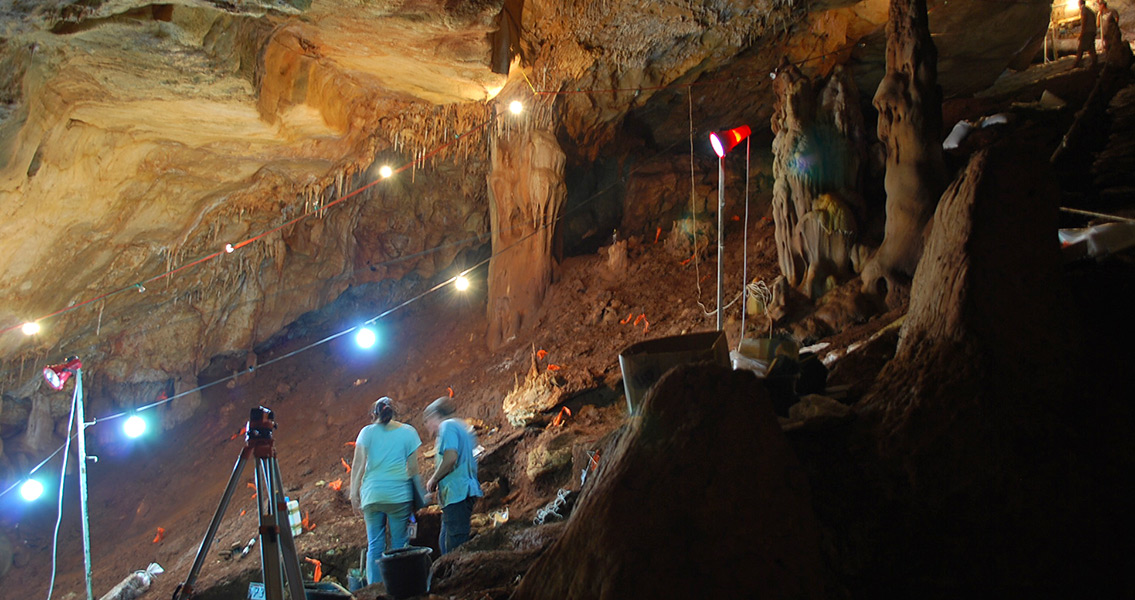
275,532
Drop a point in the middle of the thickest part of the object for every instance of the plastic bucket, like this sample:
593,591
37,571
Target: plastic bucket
405,571
644,363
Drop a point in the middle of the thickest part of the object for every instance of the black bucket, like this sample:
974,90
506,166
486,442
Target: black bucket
405,571
644,363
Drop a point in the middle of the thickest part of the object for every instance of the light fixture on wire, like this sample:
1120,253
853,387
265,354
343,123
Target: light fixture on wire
515,107
461,283
134,426
30,328
31,490
366,337
57,375
385,171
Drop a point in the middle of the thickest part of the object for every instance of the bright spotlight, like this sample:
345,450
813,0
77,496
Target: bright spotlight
724,141
515,107
385,171
57,375
365,338
31,490
30,328
461,283
134,426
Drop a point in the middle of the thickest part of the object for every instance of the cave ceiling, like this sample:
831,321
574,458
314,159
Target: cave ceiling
138,139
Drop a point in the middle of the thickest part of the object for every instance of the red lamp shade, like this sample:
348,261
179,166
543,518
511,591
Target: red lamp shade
57,375
724,141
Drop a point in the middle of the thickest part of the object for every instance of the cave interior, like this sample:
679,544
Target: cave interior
908,382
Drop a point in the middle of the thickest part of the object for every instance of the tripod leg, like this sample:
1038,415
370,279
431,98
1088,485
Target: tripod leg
269,533
287,543
185,590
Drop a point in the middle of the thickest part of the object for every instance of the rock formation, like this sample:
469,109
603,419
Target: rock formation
526,194
909,102
973,396
819,149
697,500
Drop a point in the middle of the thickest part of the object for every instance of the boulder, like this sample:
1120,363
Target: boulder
701,498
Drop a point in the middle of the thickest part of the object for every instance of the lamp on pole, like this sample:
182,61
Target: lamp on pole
723,142
57,376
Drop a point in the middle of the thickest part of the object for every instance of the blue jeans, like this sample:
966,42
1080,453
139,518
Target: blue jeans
455,524
376,517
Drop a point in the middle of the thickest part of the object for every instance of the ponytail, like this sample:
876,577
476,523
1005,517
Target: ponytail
383,411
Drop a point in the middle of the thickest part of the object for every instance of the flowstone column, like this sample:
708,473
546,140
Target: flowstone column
818,149
526,194
909,102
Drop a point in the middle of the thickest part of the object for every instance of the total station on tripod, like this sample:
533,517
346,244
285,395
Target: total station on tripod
261,422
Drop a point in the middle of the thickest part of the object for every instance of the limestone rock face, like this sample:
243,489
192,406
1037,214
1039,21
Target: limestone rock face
975,388
526,194
706,492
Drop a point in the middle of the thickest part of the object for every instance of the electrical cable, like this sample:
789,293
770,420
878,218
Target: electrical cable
745,248
693,205
59,513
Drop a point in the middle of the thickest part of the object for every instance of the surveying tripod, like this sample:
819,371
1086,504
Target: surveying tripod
275,530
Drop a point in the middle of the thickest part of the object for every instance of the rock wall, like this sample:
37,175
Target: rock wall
969,410
699,499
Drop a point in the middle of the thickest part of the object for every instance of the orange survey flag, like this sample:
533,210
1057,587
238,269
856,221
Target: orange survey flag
161,534
318,568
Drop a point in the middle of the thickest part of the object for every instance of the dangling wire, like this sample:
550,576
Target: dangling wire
745,250
62,474
693,201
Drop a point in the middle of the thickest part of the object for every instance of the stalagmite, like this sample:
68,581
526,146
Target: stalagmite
818,151
909,102
973,401
526,193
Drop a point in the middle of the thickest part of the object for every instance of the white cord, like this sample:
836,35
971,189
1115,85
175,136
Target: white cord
693,203
59,508
745,248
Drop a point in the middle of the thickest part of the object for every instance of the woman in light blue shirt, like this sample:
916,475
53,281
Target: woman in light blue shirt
455,478
384,468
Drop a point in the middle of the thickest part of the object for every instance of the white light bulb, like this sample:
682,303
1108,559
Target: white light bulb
365,338
385,171
461,283
515,107
134,426
31,490
30,328
229,248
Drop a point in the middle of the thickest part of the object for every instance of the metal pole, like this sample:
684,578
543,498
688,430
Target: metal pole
83,481
720,237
